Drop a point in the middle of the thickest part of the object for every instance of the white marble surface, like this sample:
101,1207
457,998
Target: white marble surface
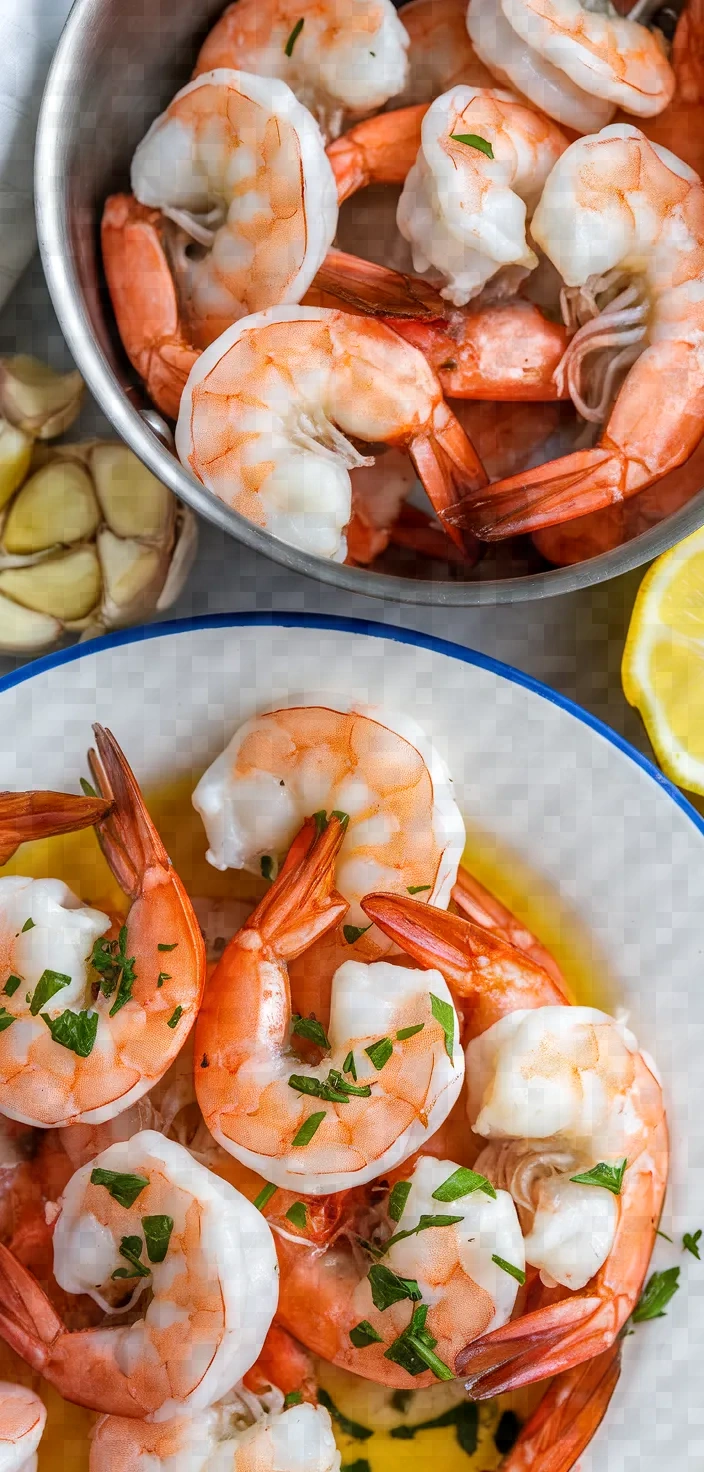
574,643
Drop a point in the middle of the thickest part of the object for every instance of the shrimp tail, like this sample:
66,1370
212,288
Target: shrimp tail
127,837
547,1342
377,290
476,963
303,903
380,150
28,1321
450,469
25,816
480,905
568,1415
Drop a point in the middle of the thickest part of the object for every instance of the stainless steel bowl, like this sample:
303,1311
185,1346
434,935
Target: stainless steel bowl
117,65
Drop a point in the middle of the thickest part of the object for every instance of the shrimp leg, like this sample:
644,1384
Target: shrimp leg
568,1416
25,816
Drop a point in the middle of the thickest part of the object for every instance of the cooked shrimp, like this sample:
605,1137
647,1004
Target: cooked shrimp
575,63
567,1416
342,58
95,1011
454,1287
624,219
380,150
480,171
237,1435
679,127
22,1421
268,411
238,165
557,1091
145,1214
391,1065
25,816
441,54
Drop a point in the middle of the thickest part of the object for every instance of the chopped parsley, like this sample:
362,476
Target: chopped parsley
463,1182
348,1427
28,925
473,140
116,969
266,865
398,1198
123,1187
353,932
509,1267
292,1398
656,1295
444,1014
76,1031
6,1019
380,1052
387,1287
364,1334
506,1433
288,48
307,1130
424,1223
361,1465
162,977
175,1017
464,1417
49,983
409,1032
690,1242
336,1080
307,1027
11,985
419,888
349,1066
162,947
413,1350
664,1235
86,788
298,1215
264,1196
317,1088
157,1235
602,1174
131,1249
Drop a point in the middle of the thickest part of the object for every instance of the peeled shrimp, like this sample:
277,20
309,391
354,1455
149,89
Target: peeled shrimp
679,127
239,1434
556,1090
238,165
94,1010
461,1288
342,58
145,1214
391,1065
441,54
573,62
270,411
480,171
623,220
22,1421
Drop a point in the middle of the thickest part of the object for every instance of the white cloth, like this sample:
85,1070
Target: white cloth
29,31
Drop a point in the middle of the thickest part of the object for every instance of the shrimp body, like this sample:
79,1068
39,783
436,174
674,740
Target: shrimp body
238,165
464,209
342,58
404,827
95,1011
574,63
623,219
441,54
22,1421
144,1214
270,410
297,1440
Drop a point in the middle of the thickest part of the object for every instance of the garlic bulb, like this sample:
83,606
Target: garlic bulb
36,400
90,540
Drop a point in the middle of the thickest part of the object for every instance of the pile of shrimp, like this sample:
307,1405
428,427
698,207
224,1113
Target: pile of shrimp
365,1124
537,233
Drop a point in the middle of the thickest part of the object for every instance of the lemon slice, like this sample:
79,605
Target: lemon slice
663,661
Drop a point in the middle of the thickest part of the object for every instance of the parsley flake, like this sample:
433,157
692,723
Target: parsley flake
131,1249
420,888
6,1019
49,983
423,1225
690,1242
157,1235
463,1182
123,1188
348,1427
307,1027
413,1349
445,1015
350,1067
288,48
115,968
11,985
28,925
353,932
86,788
162,947
364,1334
292,1398
264,1196
307,1130
474,141
298,1215
409,1032
656,1295
380,1052
509,1267
175,1017
317,1088
76,1031
162,977
398,1198
602,1174
388,1287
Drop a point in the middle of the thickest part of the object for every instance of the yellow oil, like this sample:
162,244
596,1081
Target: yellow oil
76,859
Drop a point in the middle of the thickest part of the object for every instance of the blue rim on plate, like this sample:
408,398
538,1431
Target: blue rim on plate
375,630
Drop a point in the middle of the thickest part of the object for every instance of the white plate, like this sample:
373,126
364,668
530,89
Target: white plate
588,815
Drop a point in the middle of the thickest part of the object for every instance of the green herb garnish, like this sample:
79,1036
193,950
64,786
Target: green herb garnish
413,1349
307,1027
506,1433
350,1067
608,1176
6,1019
321,822
123,1188
424,1223
28,925
380,1052
162,947
162,977
387,1287
418,888
474,141
350,1428
308,1129
353,932
463,1182
264,1196
11,985
292,1398
359,1091
131,1248
288,48
49,983
317,1088
266,864
297,1214
664,1235
656,1295
364,1334
464,1417
509,1267
361,1465
690,1242
175,1017
409,1032
398,1198
444,1014
76,1031
157,1235
116,969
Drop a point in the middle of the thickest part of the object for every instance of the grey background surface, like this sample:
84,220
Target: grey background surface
574,643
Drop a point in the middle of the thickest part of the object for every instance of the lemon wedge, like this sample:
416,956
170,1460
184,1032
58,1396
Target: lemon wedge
663,662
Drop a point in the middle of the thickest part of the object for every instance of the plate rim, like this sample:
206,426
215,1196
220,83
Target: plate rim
369,628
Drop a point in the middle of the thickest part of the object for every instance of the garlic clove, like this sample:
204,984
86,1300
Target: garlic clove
66,586
133,501
182,557
132,576
56,505
22,631
36,399
15,459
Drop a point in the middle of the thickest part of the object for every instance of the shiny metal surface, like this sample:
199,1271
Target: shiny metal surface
117,64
